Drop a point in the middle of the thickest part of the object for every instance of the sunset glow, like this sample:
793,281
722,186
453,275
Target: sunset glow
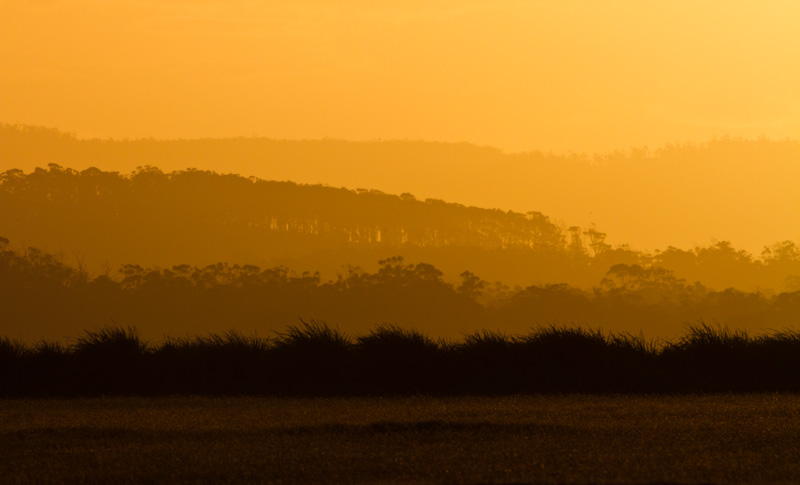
565,76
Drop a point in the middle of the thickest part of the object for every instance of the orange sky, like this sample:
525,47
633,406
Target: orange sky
556,75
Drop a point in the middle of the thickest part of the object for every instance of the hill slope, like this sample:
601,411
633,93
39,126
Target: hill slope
679,195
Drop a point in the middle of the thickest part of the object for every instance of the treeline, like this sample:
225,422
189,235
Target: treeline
313,359
41,295
681,194
198,217
204,217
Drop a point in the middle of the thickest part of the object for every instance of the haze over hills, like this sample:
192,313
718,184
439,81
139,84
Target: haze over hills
43,297
515,74
104,219
680,195
191,250
404,201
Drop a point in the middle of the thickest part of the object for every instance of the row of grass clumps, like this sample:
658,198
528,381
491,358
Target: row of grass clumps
314,359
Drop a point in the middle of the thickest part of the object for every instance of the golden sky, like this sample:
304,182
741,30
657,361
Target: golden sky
557,75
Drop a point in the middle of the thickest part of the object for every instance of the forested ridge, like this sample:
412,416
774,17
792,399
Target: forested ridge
191,250
42,297
202,217
680,194
102,220
205,201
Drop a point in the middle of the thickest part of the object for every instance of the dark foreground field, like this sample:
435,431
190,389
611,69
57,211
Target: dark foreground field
555,439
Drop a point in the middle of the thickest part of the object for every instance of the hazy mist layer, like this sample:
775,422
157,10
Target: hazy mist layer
260,96
520,75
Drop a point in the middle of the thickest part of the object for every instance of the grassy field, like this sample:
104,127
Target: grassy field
555,439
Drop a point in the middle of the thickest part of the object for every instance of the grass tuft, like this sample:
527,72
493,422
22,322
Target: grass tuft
313,335
112,341
11,350
390,337
701,337
230,341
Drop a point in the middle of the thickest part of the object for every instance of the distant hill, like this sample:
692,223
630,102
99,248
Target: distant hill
103,219
201,217
681,195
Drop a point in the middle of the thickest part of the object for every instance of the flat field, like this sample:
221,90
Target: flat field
556,439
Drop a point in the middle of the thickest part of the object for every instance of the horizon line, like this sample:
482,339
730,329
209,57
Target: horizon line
568,153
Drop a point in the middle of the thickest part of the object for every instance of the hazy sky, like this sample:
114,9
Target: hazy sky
553,75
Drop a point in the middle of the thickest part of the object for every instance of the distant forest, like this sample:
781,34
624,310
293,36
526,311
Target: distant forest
102,220
192,251
41,296
684,194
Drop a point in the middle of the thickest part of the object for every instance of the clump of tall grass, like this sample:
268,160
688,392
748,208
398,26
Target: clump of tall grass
312,336
487,341
393,338
397,359
111,359
782,339
710,340
311,358
777,355
232,342
487,362
715,358
638,344
40,369
49,368
217,363
564,342
111,343
10,350
11,353
577,359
